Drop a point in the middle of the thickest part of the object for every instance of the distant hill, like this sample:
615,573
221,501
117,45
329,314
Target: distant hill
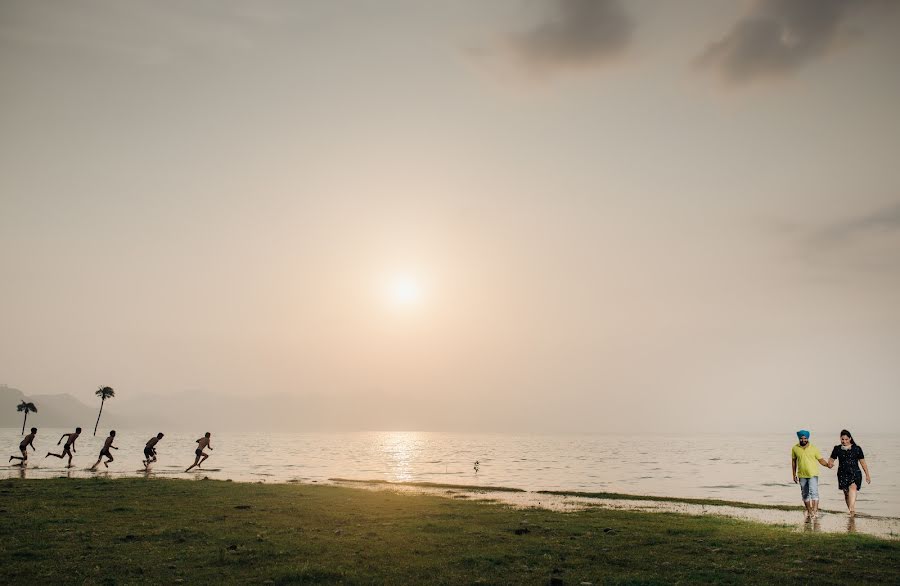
61,410
197,410
206,411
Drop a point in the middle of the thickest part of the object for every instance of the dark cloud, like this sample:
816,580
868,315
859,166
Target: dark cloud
574,33
885,220
776,37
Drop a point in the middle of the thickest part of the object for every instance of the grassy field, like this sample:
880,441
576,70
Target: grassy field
127,531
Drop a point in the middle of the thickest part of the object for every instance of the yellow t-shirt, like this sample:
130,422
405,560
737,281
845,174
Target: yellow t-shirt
807,460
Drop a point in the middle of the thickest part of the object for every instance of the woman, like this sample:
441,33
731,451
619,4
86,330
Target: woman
849,457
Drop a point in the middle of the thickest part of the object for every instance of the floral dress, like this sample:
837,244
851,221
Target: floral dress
848,466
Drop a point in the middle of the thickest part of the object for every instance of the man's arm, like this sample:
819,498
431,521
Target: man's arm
794,468
31,443
824,462
61,438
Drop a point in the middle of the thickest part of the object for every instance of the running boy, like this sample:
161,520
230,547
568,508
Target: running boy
28,440
150,449
105,451
69,448
203,443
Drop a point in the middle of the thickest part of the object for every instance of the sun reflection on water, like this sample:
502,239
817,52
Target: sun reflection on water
399,447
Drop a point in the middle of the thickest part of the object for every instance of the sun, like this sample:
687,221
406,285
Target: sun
404,290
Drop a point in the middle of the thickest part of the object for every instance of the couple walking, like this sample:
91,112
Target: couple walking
805,460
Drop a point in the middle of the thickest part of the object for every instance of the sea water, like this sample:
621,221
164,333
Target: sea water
748,468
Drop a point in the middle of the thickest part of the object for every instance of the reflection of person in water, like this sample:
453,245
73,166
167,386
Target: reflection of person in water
201,457
150,449
850,457
69,448
28,440
105,451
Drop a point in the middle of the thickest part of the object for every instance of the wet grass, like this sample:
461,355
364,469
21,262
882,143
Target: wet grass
151,531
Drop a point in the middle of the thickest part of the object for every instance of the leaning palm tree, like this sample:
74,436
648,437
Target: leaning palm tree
104,393
26,407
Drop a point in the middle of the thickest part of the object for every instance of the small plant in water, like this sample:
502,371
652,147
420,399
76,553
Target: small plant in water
475,467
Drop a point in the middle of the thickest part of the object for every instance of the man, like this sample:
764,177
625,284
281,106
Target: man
150,450
28,440
203,443
69,448
805,460
105,451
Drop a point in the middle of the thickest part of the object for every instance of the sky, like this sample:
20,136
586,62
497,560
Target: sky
569,215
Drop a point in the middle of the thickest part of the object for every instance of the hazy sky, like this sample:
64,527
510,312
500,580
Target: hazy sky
592,214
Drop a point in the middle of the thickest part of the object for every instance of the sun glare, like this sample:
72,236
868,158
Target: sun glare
404,290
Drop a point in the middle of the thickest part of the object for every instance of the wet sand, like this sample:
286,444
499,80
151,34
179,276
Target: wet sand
827,522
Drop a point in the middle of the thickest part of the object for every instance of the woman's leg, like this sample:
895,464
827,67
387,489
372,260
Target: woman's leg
851,499
847,498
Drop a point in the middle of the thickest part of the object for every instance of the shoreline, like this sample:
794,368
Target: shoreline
829,521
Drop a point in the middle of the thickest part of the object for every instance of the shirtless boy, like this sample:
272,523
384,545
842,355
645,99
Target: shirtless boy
150,449
203,443
105,451
28,440
69,448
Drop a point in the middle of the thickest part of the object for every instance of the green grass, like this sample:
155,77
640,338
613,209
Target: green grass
131,531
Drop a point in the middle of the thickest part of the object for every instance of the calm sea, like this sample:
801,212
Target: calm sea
750,468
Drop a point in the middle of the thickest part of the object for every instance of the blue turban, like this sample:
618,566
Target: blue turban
802,432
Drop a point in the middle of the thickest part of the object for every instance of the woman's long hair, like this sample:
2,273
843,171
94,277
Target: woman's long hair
848,434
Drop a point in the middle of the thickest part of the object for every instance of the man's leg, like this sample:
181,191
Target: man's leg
804,494
814,495
196,460
203,459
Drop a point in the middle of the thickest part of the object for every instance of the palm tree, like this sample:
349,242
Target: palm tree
26,407
104,393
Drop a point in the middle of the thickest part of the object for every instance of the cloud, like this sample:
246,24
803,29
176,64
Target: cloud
866,243
573,34
885,221
778,37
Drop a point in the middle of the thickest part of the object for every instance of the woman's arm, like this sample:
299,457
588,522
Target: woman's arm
866,470
830,463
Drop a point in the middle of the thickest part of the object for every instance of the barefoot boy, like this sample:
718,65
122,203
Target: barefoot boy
105,451
203,443
28,440
69,448
150,449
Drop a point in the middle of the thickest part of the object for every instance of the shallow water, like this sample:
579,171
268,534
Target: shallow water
753,469
828,522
